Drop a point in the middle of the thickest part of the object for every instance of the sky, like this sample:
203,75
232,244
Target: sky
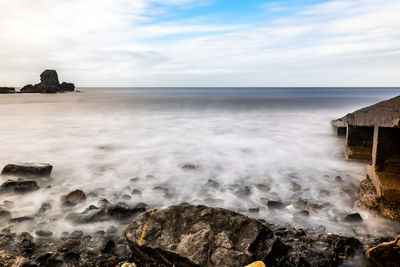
201,42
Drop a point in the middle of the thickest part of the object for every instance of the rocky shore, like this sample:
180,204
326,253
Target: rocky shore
182,235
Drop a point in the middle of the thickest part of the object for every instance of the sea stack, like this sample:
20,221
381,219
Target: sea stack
49,83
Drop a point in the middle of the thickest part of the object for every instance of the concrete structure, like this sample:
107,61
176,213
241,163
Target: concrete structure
373,134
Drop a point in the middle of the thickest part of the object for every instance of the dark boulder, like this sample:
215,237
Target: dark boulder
67,87
28,169
19,186
187,235
342,245
49,83
7,90
353,218
122,212
275,205
88,216
4,214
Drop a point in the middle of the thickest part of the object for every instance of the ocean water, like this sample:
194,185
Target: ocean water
245,140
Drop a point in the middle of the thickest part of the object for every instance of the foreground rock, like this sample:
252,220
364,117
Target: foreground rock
19,186
7,90
385,254
187,235
31,169
49,83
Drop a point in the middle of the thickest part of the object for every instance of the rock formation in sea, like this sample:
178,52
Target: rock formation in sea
49,83
7,90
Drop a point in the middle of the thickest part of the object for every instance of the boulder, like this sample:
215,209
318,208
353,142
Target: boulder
7,90
187,235
122,212
19,186
68,87
49,78
73,198
385,254
30,169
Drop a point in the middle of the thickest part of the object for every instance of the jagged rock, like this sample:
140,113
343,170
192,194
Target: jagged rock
88,216
187,235
73,198
68,87
7,90
385,254
343,246
27,168
19,186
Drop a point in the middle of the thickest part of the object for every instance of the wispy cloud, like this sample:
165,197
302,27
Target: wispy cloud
125,43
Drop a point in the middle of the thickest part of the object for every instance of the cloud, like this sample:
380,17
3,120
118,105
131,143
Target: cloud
125,43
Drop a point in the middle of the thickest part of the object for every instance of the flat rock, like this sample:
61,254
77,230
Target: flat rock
19,186
27,168
187,235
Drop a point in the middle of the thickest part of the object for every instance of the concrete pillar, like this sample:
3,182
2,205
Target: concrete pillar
384,171
359,142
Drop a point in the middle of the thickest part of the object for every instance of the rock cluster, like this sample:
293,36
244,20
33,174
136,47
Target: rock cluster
48,84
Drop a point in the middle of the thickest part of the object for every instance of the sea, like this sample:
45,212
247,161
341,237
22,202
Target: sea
235,148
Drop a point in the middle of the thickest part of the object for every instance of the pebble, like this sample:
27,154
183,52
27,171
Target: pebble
71,243
274,205
43,233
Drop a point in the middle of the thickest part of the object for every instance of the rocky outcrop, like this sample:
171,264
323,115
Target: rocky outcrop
385,254
49,83
19,186
27,169
187,235
7,90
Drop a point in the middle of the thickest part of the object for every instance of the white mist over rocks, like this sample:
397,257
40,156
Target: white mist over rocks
231,148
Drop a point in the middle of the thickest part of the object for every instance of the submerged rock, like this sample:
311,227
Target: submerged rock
353,218
27,168
205,237
275,205
19,186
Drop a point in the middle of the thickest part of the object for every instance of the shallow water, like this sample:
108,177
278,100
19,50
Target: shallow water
99,139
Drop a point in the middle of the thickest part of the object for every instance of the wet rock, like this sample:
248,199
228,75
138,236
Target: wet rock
304,213
108,247
21,219
19,186
212,183
103,202
88,216
263,187
188,166
385,254
338,179
343,246
299,233
353,218
71,256
295,186
126,197
134,180
136,192
323,194
244,191
123,212
49,259
44,208
8,204
111,230
70,243
76,234
205,236
73,198
300,204
275,205
254,210
43,233
28,169
4,214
